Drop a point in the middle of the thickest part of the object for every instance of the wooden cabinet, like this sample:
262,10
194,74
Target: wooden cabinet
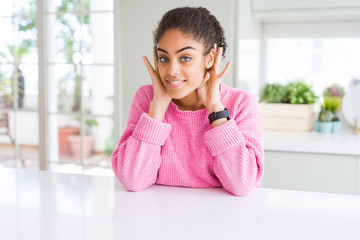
312,172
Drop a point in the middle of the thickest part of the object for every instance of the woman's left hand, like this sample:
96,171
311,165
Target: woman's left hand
208,91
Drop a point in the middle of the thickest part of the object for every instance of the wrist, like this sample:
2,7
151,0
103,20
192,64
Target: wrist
216,108
218,122
158,109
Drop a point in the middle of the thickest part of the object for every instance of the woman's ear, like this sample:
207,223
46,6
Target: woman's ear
210,58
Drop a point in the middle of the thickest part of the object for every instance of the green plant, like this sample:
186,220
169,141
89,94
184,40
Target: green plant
89,122
273,93
6,97
324,115
329,109
14,54
300,93
297,92
331,104
71,47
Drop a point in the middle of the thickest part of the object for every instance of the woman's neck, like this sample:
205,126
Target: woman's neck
189,103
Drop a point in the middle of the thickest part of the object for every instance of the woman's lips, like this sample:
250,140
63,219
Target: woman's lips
175,83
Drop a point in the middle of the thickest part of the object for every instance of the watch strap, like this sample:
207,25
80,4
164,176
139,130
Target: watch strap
217,115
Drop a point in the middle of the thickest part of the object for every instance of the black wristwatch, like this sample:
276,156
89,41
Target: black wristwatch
217,115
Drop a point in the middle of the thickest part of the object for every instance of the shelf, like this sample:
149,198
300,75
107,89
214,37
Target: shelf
344,143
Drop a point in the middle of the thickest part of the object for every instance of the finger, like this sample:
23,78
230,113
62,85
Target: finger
148,65
155,58
218,60
206,77
224,72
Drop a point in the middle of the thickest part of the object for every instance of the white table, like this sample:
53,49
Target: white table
43,205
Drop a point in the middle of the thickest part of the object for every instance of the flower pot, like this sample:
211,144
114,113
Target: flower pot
288,117
325,127
336,126
75,144
64,133
317,126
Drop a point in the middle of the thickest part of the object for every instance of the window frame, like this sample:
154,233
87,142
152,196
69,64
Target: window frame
43,46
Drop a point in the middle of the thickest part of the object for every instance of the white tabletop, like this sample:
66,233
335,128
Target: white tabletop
43,205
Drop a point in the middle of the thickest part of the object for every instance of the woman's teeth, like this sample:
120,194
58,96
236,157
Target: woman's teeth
175,82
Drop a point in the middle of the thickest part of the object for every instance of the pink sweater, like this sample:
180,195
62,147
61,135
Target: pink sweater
184,150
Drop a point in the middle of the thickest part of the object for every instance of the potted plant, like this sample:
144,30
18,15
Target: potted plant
64,133
328,120
287,107
75,139
335,90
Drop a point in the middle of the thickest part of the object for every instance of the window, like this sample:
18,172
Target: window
18,85
80,69
319,61
320,53
79,78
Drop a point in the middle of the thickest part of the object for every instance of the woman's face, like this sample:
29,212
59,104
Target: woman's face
181,63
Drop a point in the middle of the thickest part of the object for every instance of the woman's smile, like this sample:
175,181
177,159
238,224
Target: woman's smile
175,83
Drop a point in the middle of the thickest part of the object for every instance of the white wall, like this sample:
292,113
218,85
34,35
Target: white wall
138,21
248,52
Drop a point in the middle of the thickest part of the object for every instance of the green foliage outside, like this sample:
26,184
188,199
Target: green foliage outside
297,92
89,122
69,47
15,53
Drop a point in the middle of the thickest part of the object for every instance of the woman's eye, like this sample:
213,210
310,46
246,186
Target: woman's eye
185,59
163,59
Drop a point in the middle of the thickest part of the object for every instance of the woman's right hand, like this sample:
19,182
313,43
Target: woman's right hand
161,99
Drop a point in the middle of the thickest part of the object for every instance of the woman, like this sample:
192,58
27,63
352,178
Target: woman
187,128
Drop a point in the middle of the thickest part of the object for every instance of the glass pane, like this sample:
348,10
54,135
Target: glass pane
24,7
99,143
63,5
61,129
6,8
64,88
28,86
95,5
98,90
26,36
6,40
64,33
320,61
7,144
98,38
27,139
6,89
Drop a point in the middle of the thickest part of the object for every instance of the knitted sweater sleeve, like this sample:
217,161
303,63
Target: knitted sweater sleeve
137,158
237,146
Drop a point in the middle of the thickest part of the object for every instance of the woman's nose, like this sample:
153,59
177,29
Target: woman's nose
174,68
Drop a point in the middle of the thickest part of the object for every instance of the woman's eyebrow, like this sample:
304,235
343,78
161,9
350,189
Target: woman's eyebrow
182,49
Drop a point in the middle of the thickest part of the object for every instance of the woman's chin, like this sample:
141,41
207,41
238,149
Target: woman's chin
176,95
